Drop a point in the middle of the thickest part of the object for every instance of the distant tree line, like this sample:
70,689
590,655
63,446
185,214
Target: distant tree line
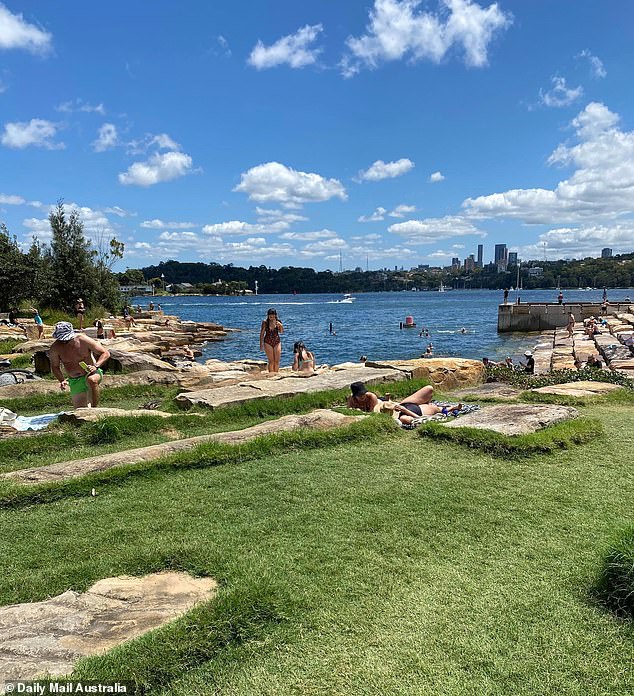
55,275
612,272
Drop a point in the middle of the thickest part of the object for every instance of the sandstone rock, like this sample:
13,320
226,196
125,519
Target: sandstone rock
579,389
514,419
443,373
132,362
49,637
321,419
496,390
91,415
287,386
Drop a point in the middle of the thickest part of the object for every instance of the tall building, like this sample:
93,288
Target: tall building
469,263
512,258
501,257
606,253
455,262
480,253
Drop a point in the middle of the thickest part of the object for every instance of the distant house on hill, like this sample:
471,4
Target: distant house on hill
136,289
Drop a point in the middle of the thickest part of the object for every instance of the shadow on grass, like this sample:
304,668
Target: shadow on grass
614,588
556,437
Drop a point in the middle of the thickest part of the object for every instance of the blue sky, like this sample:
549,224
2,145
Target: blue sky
392,132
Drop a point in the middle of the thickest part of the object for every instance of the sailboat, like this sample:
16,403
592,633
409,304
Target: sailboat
442,287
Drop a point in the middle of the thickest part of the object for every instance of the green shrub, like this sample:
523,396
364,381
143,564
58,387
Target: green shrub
555,437
523,380
8,345
615,586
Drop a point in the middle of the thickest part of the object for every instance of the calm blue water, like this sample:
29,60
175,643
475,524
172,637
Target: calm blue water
370,325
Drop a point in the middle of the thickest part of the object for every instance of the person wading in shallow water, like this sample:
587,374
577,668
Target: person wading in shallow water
77,352
270,341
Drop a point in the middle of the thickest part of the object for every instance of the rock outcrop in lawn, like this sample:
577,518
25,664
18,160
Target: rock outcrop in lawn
514,419
320,419
49,637
287,385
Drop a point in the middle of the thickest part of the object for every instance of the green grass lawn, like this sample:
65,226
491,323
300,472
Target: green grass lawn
401,565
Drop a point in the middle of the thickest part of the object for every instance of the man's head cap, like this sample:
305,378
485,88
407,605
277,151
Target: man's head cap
64,331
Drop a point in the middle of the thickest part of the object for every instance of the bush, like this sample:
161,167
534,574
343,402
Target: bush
523,380
555,437
615,586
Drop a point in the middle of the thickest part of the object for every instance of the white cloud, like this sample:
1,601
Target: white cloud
309,236
268,215
327,245
160,141
402,210
80,105
107,138
95,222
156,169
436,177
579,242
273,181
238,227
601,187
16,32
7,199
224,45
253,249
367,238
294,50
386,170
397,30
376,216
142,245
36,132
119,212
431,230
596,64
157,224
560,94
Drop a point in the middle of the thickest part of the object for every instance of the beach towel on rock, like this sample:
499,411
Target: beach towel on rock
22,423
466,408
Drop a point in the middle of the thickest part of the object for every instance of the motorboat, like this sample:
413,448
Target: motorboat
347,299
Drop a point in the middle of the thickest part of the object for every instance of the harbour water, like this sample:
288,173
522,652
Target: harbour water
369,325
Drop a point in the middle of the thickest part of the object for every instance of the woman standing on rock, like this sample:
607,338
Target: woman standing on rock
270,341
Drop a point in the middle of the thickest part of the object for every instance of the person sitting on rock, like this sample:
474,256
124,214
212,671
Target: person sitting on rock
594,363
303,359
529,365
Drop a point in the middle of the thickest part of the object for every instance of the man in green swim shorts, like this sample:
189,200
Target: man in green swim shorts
71,349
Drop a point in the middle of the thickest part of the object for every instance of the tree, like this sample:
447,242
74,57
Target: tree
16,278
105,254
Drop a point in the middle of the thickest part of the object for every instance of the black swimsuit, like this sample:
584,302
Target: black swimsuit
414,408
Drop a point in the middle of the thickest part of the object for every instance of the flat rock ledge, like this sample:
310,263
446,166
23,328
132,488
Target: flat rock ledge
320,419
491,390
579,389
288,385
49,637
443,373
515,419
92,415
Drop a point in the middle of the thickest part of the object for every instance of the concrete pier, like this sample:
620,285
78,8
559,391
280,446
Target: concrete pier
542,316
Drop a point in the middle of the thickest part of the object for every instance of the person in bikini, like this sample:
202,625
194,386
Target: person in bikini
71,349
408,409
270,341
304,360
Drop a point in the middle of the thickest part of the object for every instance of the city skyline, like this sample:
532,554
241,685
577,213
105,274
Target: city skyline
321,131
